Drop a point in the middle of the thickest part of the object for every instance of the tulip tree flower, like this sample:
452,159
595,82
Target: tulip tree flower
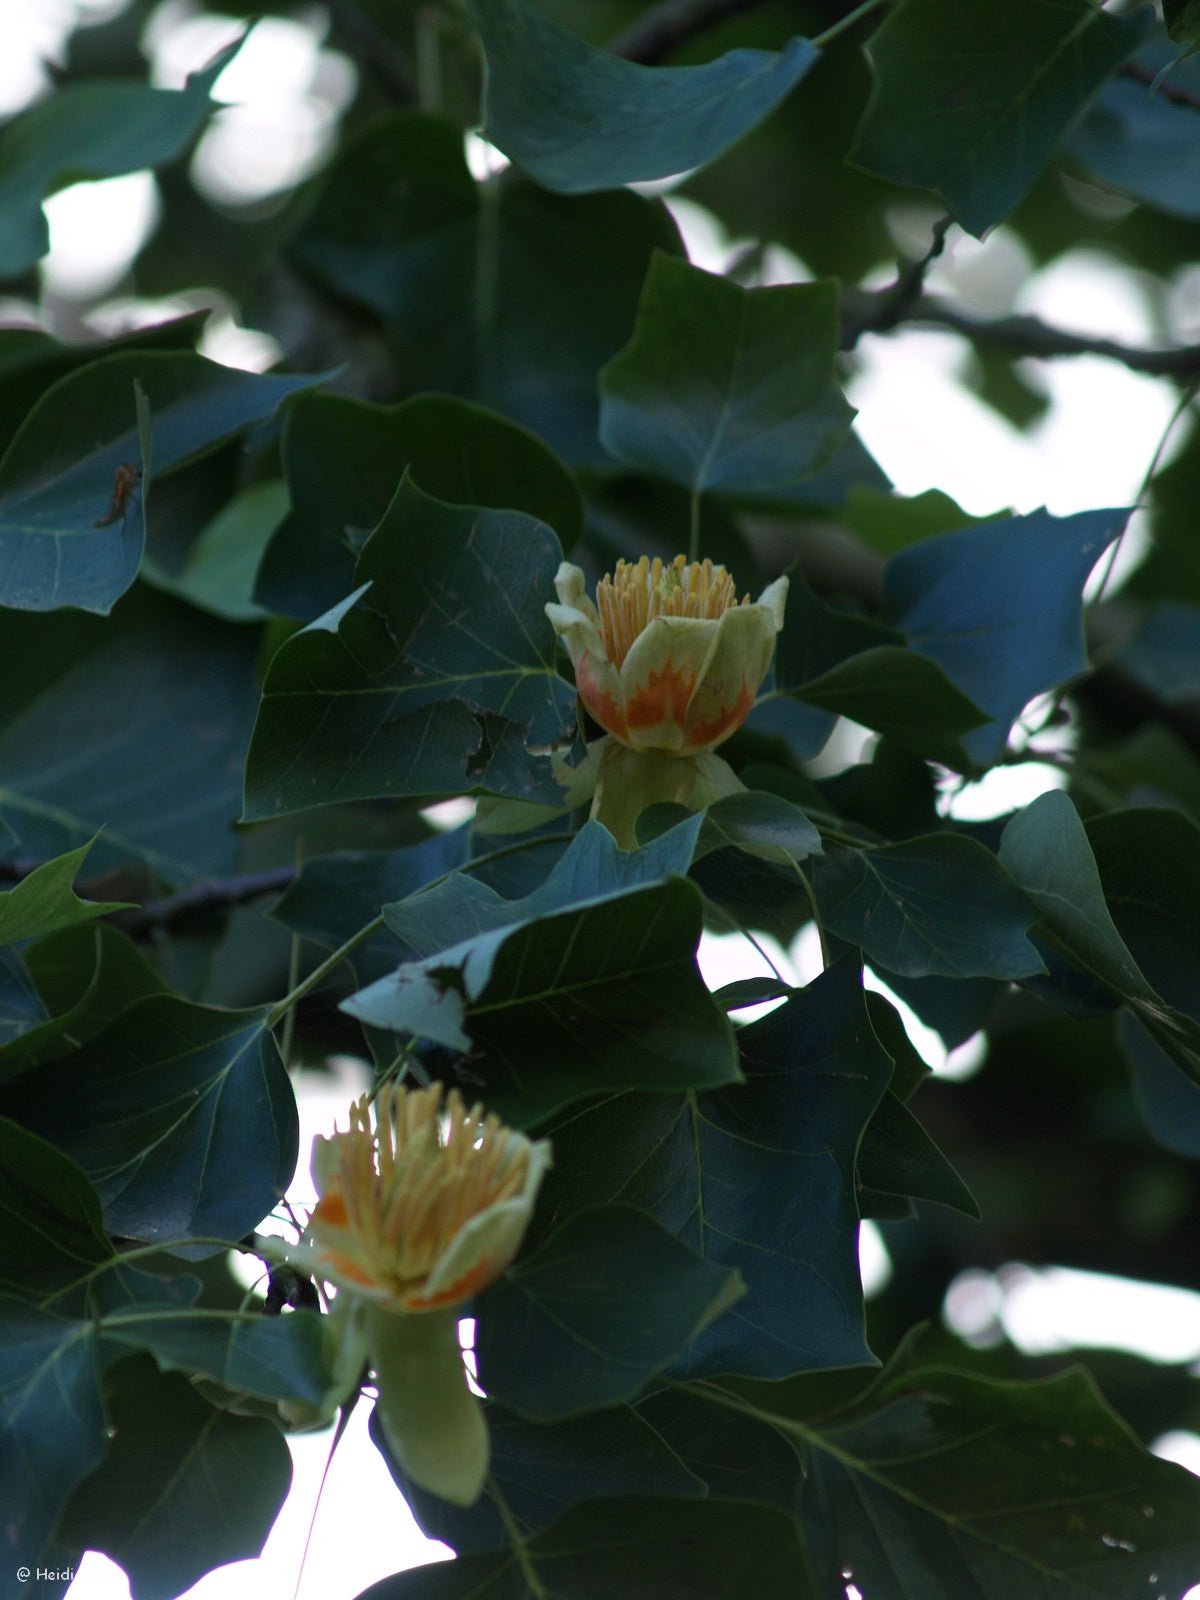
416,1214
668,662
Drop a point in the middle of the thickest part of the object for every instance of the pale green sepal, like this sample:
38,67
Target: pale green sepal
433,1424
494,816
631,780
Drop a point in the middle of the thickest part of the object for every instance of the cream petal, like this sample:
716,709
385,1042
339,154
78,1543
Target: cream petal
659,677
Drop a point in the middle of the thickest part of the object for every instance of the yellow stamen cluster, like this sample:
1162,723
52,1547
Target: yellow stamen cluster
639,591
407,1188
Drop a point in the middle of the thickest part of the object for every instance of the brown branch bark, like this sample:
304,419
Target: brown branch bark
665,27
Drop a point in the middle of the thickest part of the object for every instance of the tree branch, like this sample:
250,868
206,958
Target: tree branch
890,306
211,894
1017,335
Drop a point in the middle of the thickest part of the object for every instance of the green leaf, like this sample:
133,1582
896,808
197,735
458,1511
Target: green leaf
902,695
473,291
49,1213
759,1177
344,458
542,1469
337,894
999,607
45,900
64,538
591,868
217,573
1182,18
897,1157
603,996
183,1488
1164,655
21,1007
1153,860
91,130
936,905
437,675
52,1421
274,1358
86,976
636,1546
579,119
182,1116
723,387
149,756
1138,141
944,1485
762,824
590,1318
970,101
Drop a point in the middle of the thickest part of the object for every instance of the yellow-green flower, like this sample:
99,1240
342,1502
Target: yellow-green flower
666,658
422,1204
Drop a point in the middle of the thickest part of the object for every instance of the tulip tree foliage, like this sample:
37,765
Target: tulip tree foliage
538,509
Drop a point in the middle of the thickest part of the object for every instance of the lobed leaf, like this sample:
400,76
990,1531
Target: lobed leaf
578,119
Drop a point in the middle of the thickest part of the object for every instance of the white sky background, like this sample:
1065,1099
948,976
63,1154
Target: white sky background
927,431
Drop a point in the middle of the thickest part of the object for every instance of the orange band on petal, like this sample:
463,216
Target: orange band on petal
662,698
704,735
480,1275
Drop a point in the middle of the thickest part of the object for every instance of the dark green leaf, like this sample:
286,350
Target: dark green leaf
21,1007
437,675
970,101
66,538
1183,20
579,1002
45,900
897,1157
758,1176
336,895
578,119
591,868
1139,142
644,1547
52,1423
49,1213
181,1115
344,458
183,1488
726,388
999,607
1164,654
542,1469
902,695
948,1485
941,905
400,228
86,976
91,130
275,1358
142,739
1153,861
586,1321
218,571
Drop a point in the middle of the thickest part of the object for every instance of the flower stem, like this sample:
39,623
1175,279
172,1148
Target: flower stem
532,1582
321,972
694,525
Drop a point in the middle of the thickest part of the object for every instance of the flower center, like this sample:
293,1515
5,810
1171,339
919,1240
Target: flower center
405,1191
628,600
